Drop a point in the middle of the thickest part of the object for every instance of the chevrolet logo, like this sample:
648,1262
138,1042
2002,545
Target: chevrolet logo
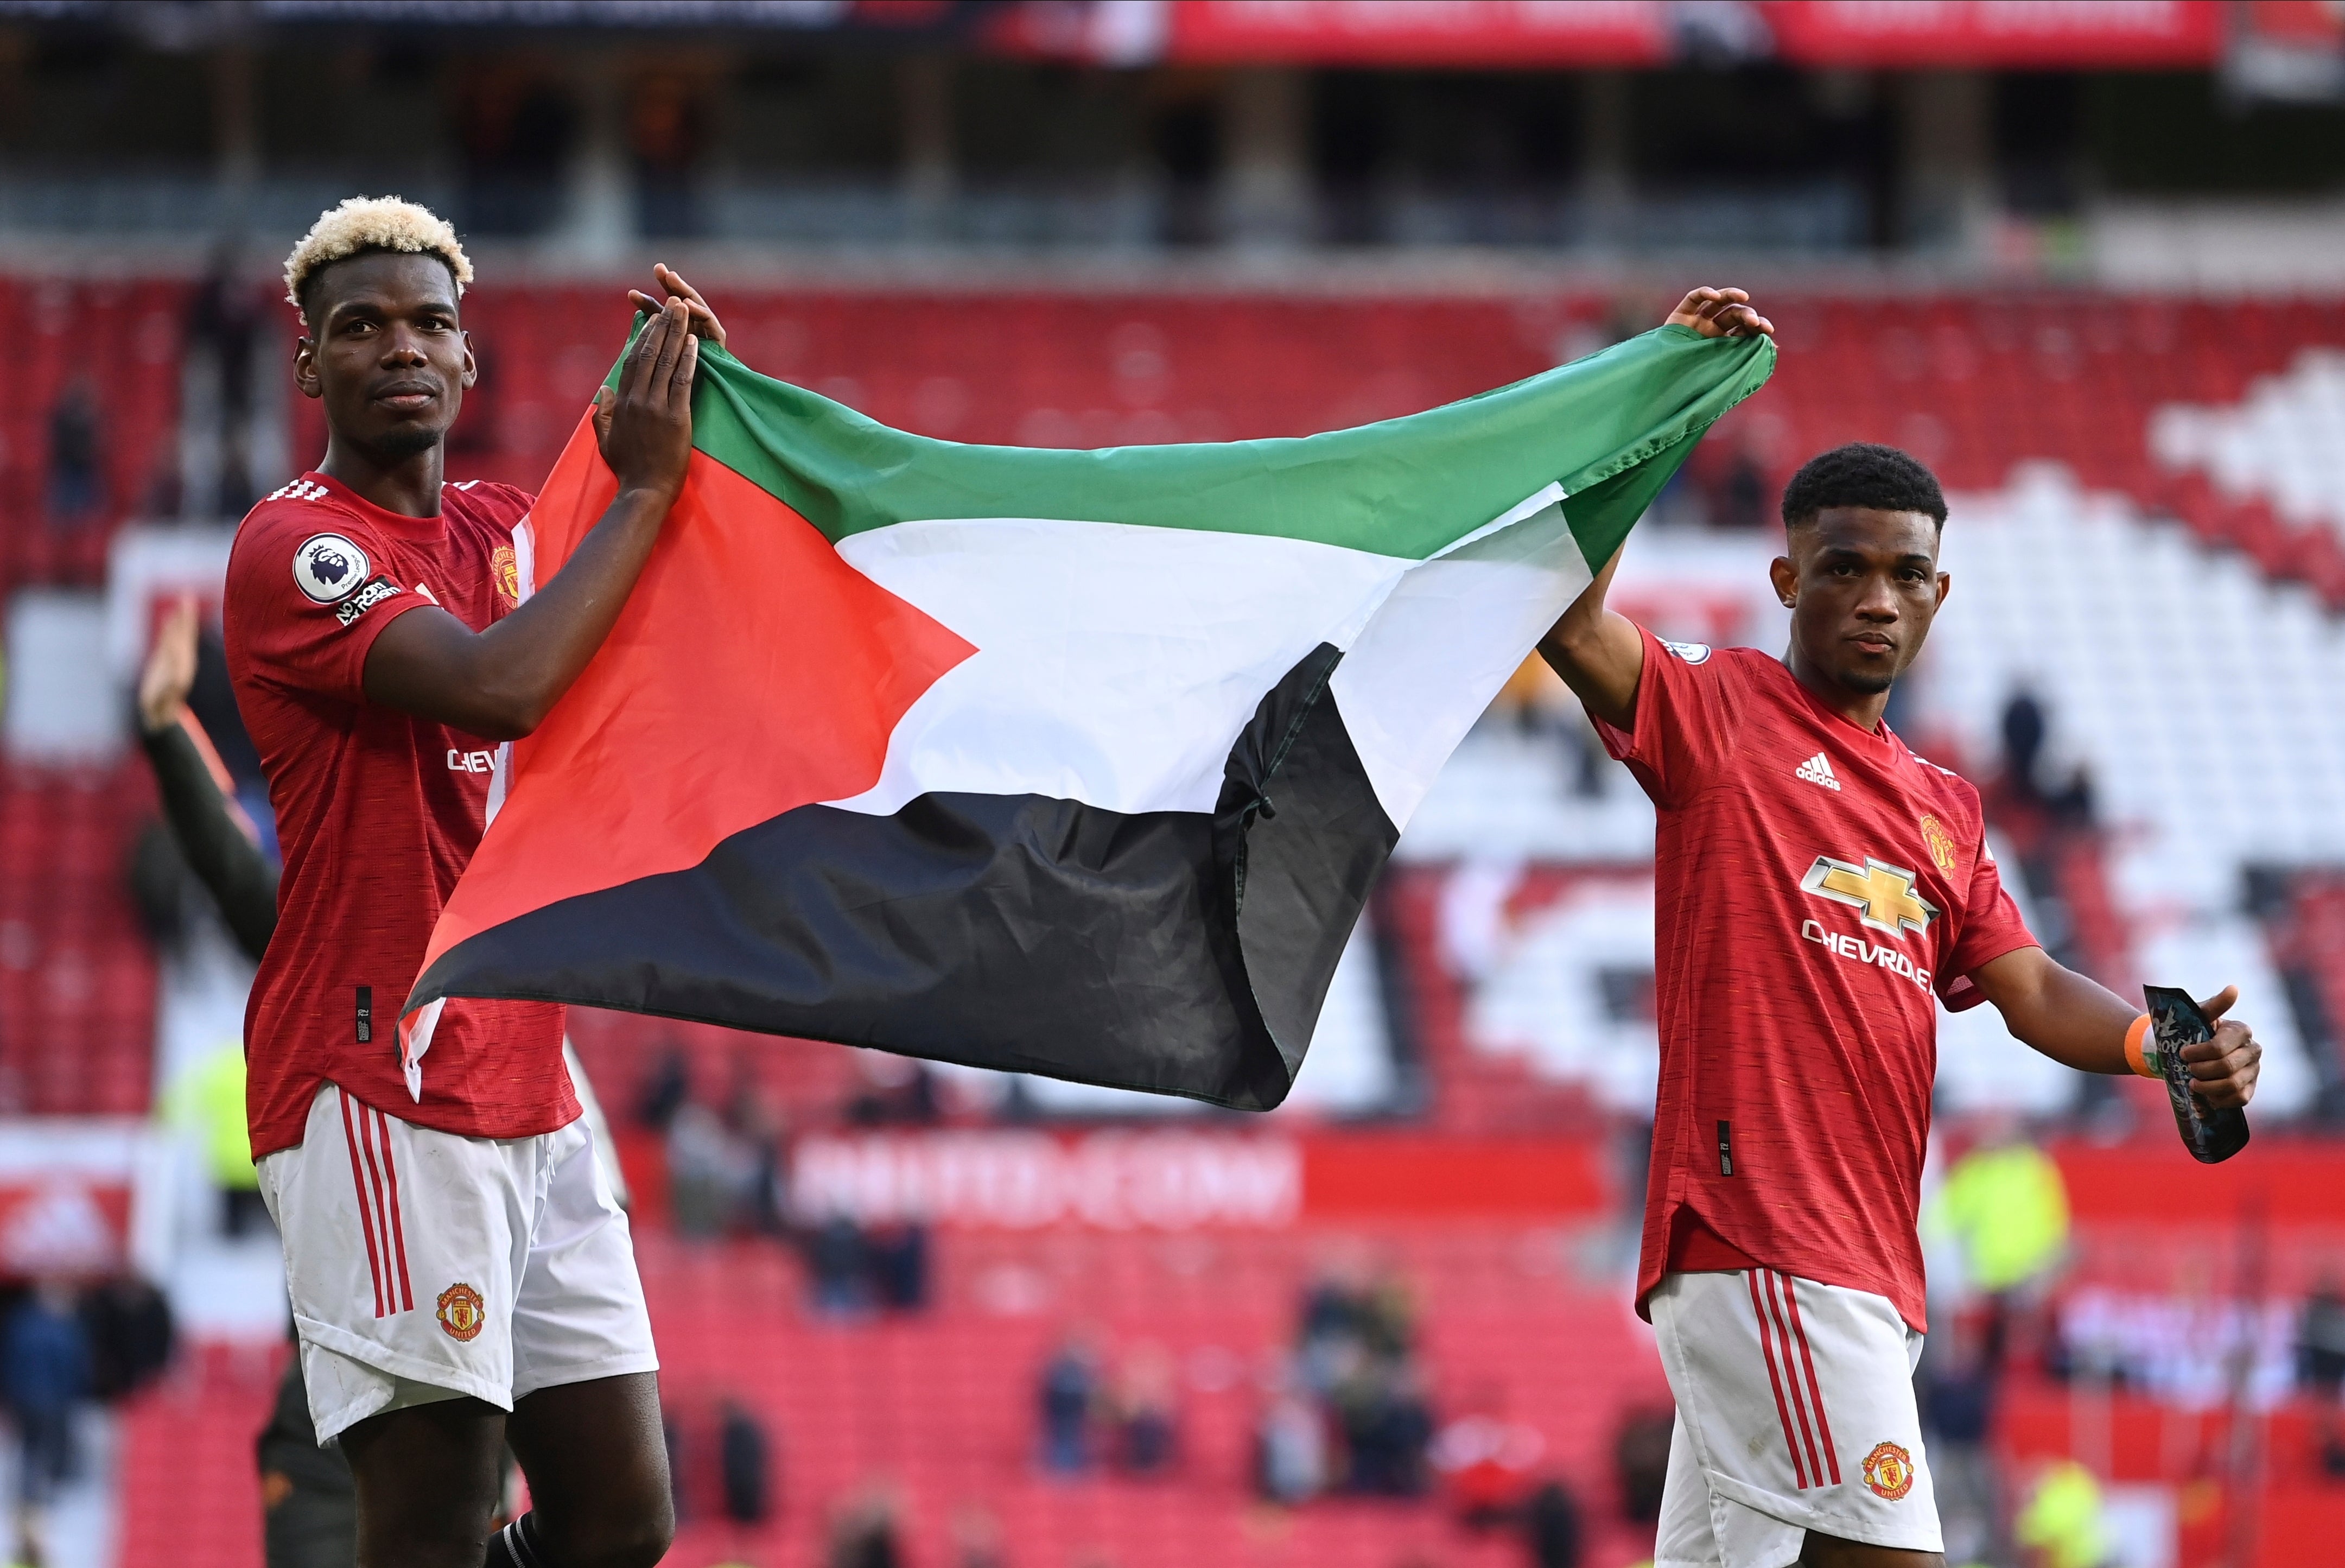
1883,892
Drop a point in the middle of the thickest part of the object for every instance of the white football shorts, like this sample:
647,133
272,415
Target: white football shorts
1795,1413
425,1266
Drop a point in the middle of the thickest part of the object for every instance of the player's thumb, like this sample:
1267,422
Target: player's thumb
2215,1006
606,403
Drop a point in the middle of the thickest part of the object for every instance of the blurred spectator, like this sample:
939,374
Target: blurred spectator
896,1092
666,1089
76,477
744,1457
1739,498
515,128
898,1262
224,322
1068,1394
1291,1449
1551,1527
2061,1526
2320,1366
838,1262
1956,1385
1147,1431
127,1321
868,1532
2024,731
1640,1458
756,1123
205,1103
1388,1425
710,1172
2005,1206
44,1375
1485,1462
666,132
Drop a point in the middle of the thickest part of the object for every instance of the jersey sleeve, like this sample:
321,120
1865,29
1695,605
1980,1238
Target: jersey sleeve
1687,720
309,591
1992,926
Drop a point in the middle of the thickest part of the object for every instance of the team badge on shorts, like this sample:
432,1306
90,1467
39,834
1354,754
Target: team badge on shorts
461,1313
1888,1469
328,567
1941,842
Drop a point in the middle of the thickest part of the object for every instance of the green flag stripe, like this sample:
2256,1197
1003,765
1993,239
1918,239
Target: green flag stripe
1609,429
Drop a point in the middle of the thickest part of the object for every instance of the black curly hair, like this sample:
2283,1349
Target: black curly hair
1862,473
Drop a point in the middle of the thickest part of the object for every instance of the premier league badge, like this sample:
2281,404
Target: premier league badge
327,566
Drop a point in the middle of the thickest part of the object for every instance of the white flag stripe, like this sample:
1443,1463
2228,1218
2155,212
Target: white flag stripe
1116,664
1442,643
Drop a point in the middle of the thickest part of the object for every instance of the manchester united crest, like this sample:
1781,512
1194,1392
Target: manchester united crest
461,1313
1889,1471
504,571
1941,843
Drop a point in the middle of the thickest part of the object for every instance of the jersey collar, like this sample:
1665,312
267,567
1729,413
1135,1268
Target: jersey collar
422,530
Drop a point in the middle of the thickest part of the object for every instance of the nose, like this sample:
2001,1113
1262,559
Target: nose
1879,600
402,347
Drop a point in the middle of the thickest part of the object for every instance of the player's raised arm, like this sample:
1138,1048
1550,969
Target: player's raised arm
500,683
1599,654
2080,1023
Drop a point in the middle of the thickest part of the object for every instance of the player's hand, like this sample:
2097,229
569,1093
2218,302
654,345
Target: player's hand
2223,1070
704,323
170,670
645,424
1720,313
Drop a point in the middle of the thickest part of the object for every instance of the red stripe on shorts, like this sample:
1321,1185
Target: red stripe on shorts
383,1228
358,1181
1767,1348
1815,1392
398,1230
1791,1376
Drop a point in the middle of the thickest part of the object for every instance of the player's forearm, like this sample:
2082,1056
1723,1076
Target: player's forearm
501,683
2069,1017
1599,654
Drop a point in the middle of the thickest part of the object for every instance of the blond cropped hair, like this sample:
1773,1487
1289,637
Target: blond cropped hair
363,223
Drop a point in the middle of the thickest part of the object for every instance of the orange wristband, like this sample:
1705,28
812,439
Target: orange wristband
2136,1057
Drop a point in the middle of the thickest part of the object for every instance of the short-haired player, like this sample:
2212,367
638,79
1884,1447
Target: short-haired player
1818,889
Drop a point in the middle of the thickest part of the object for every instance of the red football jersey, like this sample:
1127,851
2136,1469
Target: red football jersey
1815,884
377,813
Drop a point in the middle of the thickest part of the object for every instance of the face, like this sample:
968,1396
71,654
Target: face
385,352
1864,586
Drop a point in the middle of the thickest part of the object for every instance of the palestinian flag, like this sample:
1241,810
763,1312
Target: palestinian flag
1078,763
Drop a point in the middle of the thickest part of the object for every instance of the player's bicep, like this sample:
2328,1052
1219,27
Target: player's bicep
427,663
1599,655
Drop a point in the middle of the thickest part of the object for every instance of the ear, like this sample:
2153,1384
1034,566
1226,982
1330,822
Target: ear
472,366
1786,579
305,367
1945,586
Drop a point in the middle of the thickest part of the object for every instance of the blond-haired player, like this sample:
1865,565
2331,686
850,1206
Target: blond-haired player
461,1275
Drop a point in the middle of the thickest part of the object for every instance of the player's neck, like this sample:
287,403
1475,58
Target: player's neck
407,485
1862,708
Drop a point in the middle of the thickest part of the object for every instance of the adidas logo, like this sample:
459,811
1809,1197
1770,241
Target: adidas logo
299,490
1817,770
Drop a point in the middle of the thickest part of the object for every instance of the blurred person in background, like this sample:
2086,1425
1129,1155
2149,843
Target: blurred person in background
868,1532
1068,1394
44,1376
2005,1206
1146,1396
1821,890
1551,1528
2061,1525
77,489
1291,1447
2320,1366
